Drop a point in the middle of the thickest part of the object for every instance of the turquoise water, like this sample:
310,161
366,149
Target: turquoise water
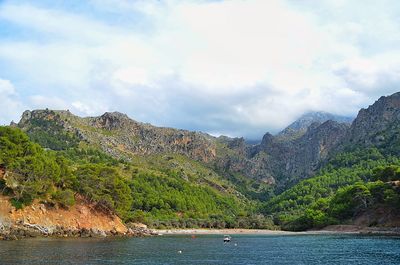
298,249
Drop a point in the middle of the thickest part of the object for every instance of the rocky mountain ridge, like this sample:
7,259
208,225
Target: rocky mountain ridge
118,135
276,160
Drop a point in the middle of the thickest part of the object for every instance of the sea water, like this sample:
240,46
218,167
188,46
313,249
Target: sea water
206,249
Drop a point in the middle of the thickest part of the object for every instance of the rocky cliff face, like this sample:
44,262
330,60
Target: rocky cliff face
297,159
39,219
382,116
128,135
314,147
274,161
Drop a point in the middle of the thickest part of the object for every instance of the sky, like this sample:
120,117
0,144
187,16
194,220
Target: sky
233,67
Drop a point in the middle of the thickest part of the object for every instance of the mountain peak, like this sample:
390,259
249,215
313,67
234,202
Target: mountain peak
383,115
313,118
43,114
308,118
115,114
113,120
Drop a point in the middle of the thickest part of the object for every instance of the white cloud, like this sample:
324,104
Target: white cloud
11,107
238,67
132,76
51,102
372,74
6,88
90,108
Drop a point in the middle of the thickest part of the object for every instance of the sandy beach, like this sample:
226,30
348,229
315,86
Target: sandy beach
334,229
234,232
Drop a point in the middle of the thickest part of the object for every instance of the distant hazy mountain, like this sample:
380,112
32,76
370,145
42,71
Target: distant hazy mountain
300,126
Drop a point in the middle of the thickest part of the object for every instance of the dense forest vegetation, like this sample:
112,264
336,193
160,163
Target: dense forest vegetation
158,197
347,186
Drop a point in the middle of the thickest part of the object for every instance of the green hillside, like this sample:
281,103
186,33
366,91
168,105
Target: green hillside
161,191
350,184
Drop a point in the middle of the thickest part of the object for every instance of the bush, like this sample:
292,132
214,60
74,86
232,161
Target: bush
64,197
16,203
349,201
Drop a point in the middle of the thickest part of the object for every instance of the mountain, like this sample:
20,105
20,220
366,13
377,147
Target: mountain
270,162
358,183
168,177
300,126
161,190
123,138
290,161
116,134
294,154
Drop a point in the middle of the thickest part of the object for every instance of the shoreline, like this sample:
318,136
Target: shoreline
241,232
340,229
199,231
28,231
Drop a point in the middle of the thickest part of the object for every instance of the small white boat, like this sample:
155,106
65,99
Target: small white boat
227,238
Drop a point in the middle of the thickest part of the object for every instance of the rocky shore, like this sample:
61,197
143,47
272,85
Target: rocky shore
26,230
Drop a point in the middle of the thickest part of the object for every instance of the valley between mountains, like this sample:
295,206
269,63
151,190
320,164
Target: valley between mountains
321,170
